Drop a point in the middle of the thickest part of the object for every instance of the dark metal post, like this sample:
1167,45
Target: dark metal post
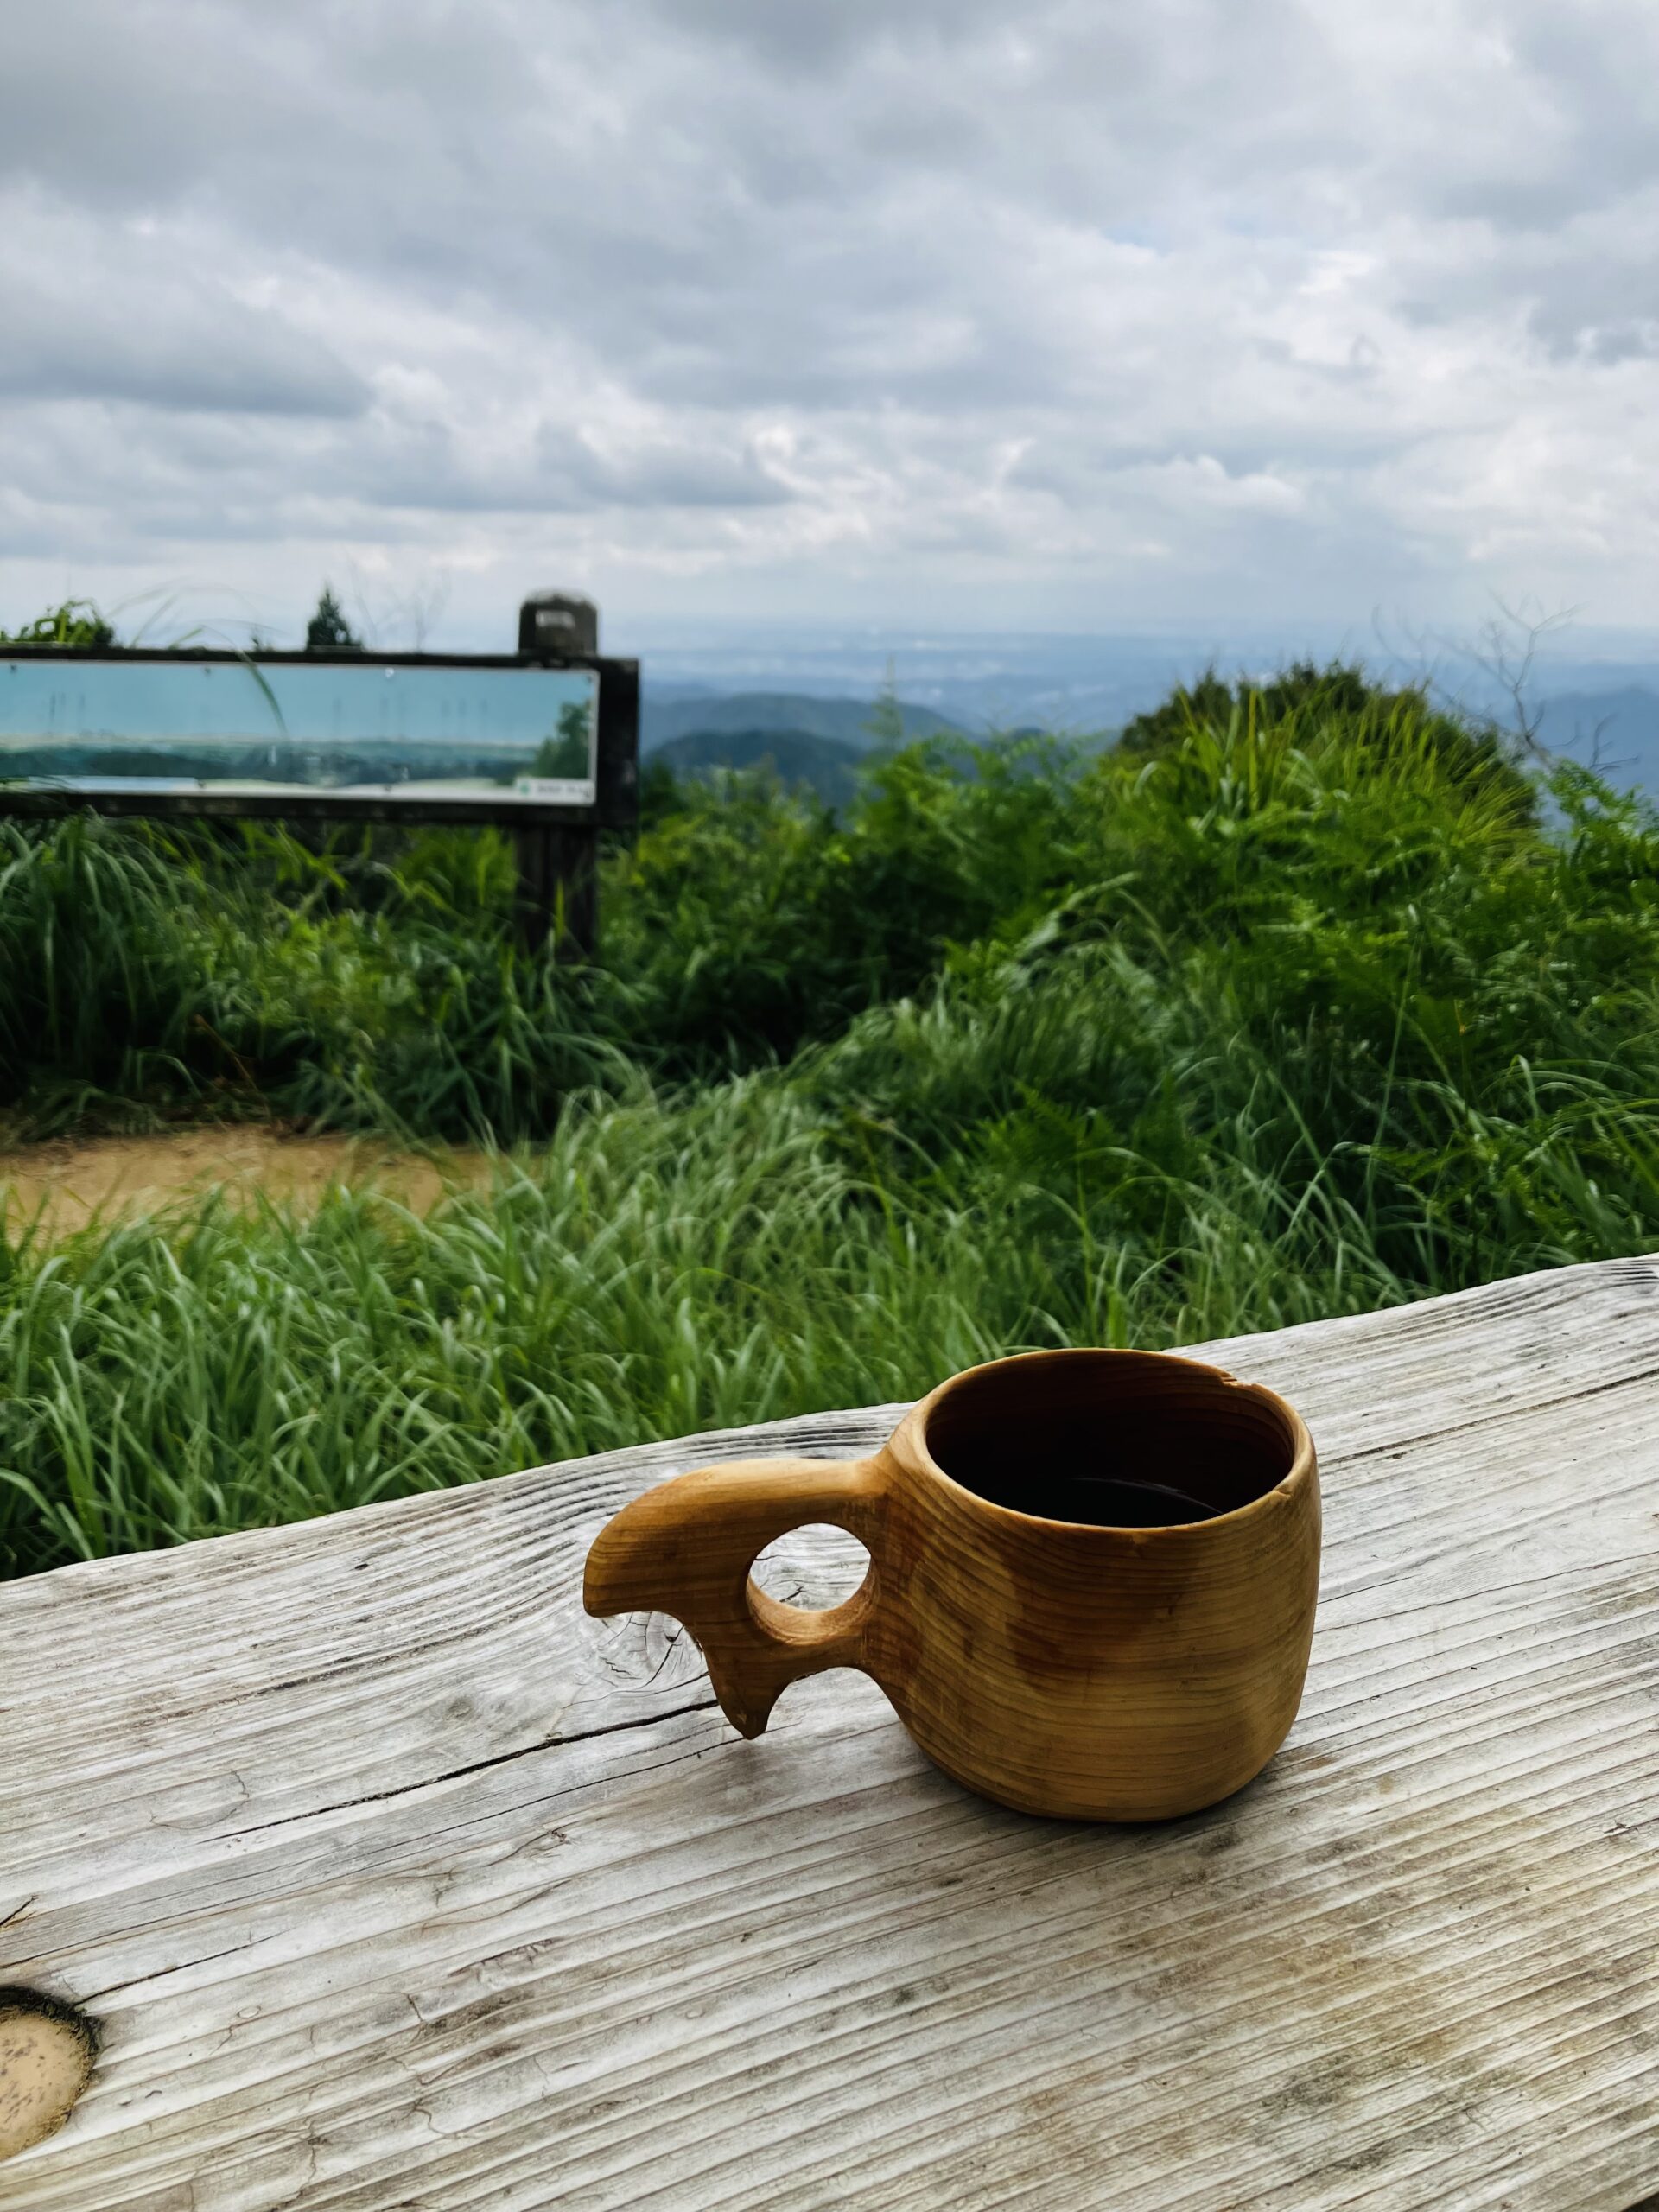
558,865
534,914
558,886
559,623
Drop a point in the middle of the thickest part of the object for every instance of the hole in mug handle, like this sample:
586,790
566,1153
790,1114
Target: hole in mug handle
811,1568
686,1548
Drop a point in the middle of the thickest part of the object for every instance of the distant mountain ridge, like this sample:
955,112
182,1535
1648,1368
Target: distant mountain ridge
824,765
792,713
1617,732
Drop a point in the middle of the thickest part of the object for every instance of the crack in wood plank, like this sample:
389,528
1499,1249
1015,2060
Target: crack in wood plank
555,1742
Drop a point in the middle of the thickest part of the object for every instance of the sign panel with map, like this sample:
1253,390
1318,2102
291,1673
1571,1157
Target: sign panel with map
135,724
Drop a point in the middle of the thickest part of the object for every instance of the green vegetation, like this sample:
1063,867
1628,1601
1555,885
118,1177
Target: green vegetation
823,765
327,631
77,622
1304,1003
569,753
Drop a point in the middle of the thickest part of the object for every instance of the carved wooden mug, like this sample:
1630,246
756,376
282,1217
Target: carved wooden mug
1091,1583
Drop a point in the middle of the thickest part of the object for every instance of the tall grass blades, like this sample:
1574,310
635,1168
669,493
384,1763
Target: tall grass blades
1305,1001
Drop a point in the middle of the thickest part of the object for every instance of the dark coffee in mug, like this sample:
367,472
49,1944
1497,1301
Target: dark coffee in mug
1047,1439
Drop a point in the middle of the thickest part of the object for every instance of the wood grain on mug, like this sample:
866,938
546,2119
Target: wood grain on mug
1093,1672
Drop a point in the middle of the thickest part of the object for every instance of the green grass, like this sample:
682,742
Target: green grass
1303,1004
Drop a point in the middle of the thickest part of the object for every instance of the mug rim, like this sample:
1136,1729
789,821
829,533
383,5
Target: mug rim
912,1430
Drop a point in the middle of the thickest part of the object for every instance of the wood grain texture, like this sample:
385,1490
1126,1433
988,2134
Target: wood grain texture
396,1884
1094,1672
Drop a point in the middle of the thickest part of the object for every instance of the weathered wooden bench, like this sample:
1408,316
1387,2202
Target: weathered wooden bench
396,1885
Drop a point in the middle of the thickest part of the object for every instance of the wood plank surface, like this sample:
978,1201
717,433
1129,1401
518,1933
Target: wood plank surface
396,1884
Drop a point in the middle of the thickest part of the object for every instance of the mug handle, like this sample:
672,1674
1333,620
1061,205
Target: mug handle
686,1548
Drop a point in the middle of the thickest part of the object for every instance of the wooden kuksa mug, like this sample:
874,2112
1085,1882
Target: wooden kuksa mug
1091,1583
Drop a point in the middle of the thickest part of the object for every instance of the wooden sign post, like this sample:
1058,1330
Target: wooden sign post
545,743
558,862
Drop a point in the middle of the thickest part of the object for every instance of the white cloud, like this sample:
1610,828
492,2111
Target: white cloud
1183,311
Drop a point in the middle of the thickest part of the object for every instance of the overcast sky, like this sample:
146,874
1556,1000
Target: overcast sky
1063,316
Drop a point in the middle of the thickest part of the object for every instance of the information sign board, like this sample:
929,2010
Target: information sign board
466,733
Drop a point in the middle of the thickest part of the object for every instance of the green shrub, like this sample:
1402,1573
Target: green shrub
1306,1007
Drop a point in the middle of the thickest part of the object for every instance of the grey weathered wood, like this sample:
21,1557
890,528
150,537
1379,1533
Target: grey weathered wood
395,1882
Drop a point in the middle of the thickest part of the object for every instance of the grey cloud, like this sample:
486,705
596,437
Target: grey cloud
222,358
704,282
1628,341
664,473
1591,137
556,471
95,310
796,41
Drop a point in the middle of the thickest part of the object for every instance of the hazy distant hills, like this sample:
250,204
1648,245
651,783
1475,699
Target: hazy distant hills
825,765
1615,732
664,718
1096,680
818,740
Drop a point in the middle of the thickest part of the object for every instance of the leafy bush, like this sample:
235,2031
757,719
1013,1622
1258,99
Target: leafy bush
77,622
1306,1007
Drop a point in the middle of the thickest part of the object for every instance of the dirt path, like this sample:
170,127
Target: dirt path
69,1183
